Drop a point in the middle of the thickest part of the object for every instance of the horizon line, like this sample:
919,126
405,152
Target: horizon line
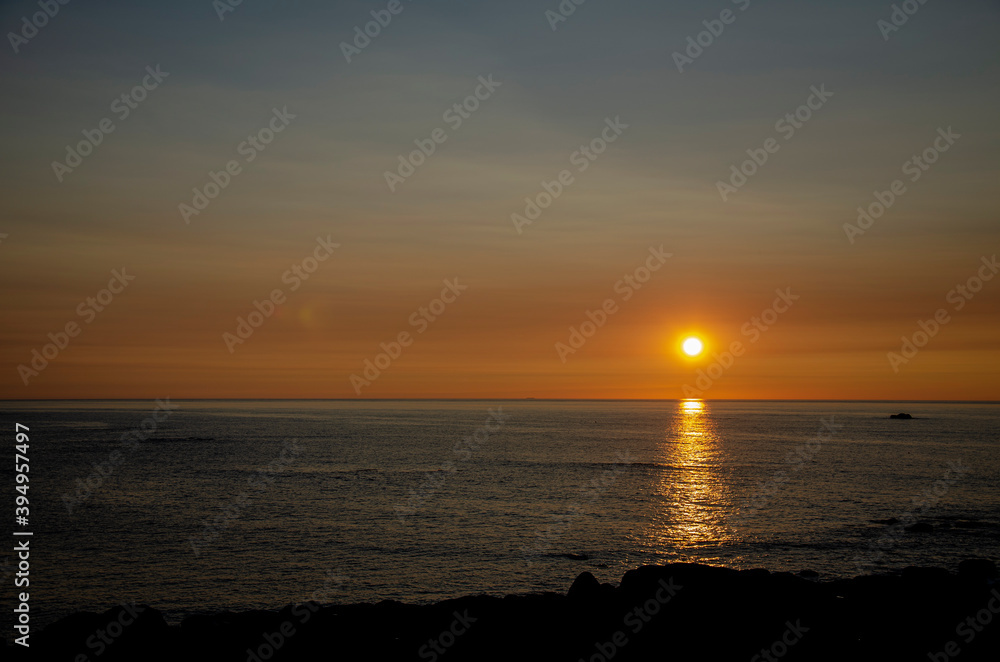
524,399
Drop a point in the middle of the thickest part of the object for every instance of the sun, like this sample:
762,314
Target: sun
692,346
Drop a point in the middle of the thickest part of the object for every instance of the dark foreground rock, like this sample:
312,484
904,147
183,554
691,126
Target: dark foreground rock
662,613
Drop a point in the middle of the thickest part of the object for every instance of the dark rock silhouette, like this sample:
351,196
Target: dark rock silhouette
978,570
584,587
676,612
891,520
919,527
903,416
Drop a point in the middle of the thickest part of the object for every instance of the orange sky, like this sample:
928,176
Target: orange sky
655,185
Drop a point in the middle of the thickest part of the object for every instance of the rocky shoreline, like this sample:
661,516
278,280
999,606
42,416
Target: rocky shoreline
673,612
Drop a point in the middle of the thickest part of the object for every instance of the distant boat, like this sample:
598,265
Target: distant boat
904,416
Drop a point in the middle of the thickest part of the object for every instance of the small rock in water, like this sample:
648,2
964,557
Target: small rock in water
920,527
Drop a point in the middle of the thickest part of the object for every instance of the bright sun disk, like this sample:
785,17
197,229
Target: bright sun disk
692,347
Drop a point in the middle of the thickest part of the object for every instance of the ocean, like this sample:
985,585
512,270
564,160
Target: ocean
202,506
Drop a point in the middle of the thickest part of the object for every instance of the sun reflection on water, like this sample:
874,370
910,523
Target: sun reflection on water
693,493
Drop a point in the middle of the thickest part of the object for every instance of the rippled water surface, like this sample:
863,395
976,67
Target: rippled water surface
237,505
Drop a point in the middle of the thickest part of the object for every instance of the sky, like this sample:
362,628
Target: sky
616,121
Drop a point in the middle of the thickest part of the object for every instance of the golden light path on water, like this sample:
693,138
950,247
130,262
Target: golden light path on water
692,495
